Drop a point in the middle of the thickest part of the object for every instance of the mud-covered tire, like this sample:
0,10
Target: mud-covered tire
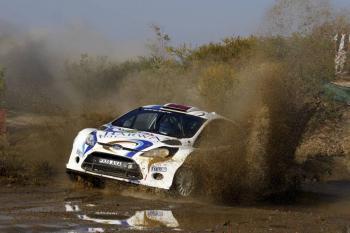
184,182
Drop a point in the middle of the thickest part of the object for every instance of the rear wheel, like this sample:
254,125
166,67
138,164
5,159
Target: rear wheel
184,182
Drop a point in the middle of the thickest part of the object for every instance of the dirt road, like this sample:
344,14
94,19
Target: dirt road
62,209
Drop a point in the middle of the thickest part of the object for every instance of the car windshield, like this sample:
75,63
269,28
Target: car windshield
167,123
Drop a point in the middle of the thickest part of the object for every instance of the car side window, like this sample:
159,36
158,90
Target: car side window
170,125
190,126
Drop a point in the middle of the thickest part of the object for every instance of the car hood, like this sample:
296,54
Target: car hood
129,138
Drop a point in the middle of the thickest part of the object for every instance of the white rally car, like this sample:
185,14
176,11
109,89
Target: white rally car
146,146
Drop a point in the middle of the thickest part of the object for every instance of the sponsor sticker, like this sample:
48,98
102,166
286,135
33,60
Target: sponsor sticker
118,132
159,169
110,162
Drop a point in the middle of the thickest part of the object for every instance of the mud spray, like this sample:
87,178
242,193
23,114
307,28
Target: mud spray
267,98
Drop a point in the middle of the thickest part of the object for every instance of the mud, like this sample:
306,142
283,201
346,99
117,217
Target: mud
64,207
320,208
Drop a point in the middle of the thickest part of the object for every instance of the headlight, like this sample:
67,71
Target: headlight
161,153
91,140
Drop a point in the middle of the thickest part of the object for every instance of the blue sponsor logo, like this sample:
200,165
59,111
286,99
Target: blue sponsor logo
142,144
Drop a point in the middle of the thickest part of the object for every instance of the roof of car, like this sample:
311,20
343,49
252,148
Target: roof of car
190,110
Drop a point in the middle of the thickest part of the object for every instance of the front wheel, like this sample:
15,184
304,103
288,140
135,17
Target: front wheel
184,182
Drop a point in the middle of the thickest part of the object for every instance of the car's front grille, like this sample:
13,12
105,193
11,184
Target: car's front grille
112,165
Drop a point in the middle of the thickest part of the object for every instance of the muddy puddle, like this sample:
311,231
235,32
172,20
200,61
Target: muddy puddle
321,208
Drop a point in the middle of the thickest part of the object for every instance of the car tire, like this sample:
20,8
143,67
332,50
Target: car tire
184,182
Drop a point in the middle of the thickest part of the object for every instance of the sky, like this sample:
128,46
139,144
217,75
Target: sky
126,23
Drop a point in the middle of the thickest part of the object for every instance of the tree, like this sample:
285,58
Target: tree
158,47
289,16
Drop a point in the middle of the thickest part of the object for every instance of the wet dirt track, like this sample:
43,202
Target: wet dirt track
323,208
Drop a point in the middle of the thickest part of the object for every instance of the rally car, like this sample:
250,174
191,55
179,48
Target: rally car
147,146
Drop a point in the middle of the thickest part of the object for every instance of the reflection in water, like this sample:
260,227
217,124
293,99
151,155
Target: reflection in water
90,230
140,220
71,208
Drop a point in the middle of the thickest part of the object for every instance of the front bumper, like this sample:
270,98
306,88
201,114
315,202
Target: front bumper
144,171
112,165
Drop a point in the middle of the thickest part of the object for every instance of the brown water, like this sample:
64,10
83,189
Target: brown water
321,208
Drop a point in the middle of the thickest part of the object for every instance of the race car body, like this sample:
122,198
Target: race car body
146,146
